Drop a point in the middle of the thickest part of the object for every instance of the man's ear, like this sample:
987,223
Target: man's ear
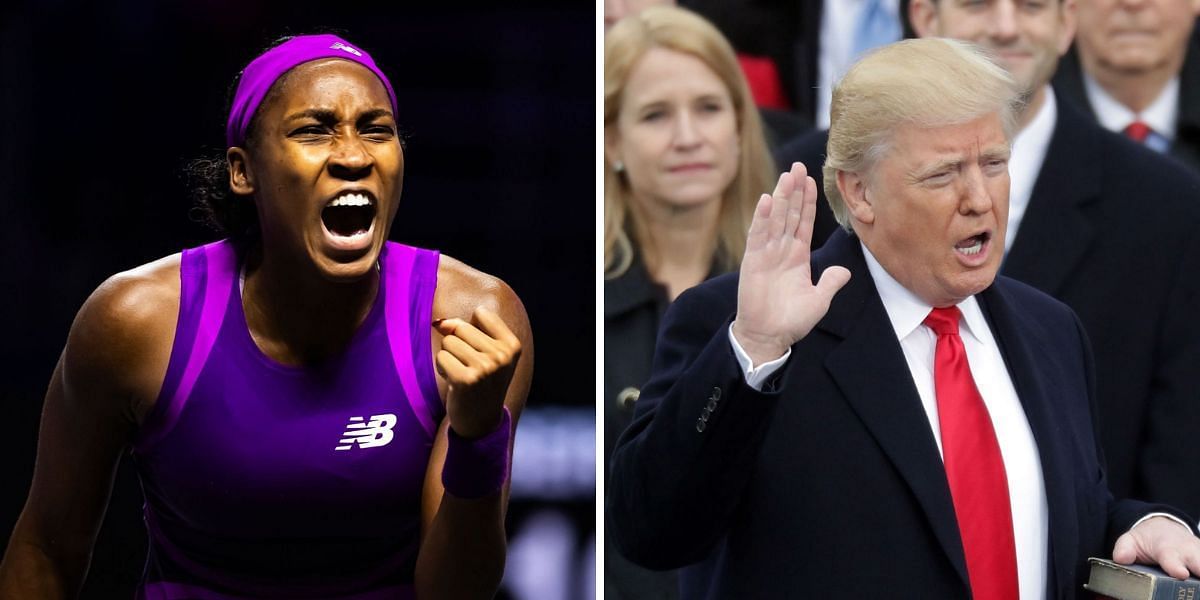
923,16
1069,20
853,189
241,177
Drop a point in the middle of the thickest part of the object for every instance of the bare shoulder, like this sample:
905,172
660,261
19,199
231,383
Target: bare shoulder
461,289
128,303
121,339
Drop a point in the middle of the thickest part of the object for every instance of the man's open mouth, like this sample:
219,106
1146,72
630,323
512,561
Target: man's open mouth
974,244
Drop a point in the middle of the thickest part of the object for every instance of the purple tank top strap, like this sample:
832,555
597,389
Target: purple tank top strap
207,275
410,279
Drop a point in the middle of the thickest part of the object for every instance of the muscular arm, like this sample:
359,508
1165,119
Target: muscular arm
98,393
463,542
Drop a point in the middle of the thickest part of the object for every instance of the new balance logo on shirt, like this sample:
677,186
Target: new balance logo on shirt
369,434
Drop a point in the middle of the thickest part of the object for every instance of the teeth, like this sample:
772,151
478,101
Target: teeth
973,248
351,200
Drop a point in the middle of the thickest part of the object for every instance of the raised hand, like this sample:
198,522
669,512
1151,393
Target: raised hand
778,304
477,359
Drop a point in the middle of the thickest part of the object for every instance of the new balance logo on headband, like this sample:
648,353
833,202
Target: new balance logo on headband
341,46
373,433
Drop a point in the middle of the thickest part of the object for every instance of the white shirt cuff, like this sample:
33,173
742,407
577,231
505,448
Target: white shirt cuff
756,376
1171,517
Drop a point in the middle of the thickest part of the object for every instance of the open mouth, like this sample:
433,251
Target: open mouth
349,215
974,244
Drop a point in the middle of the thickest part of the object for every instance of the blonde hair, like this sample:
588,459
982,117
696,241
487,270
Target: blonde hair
928,82
682,31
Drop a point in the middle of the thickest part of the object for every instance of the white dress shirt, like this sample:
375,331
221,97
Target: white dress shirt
1028,153
1161,115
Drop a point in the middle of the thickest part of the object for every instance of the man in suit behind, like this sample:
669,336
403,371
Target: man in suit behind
811,43
797,440
1135,68
1091,213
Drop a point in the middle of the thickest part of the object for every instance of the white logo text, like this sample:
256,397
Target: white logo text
376,432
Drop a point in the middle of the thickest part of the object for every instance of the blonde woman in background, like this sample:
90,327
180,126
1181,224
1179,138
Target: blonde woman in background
685,160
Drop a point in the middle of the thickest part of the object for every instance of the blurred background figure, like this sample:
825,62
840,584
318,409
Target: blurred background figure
490,126
793,52
1136,68
615,10
684,163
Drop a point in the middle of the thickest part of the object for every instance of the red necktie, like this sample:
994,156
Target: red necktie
974,466
1137,131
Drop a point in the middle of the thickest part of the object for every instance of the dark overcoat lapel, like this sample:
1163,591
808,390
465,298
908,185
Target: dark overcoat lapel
1026,353
887,400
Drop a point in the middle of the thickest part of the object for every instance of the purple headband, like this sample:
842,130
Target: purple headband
262,72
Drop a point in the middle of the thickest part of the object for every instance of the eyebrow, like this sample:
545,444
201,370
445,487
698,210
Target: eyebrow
930,170
325,115
648,106
659,102
995,152
1004,152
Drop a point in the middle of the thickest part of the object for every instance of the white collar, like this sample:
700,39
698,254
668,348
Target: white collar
907,312
1036,135
1161,115
1029,147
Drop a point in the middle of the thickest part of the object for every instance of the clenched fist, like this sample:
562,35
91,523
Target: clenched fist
477,359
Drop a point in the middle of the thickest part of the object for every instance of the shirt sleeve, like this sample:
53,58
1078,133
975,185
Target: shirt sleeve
1161,514
755,377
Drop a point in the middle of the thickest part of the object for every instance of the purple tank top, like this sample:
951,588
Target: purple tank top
265,480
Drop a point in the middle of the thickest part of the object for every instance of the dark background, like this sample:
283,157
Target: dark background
102,104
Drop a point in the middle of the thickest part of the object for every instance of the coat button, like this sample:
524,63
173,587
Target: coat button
627,397
712,405
700,425
716,394
704,414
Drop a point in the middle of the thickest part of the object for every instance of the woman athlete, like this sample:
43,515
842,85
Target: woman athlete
313,411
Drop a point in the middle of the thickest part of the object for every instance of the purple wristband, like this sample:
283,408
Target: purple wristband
479,467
